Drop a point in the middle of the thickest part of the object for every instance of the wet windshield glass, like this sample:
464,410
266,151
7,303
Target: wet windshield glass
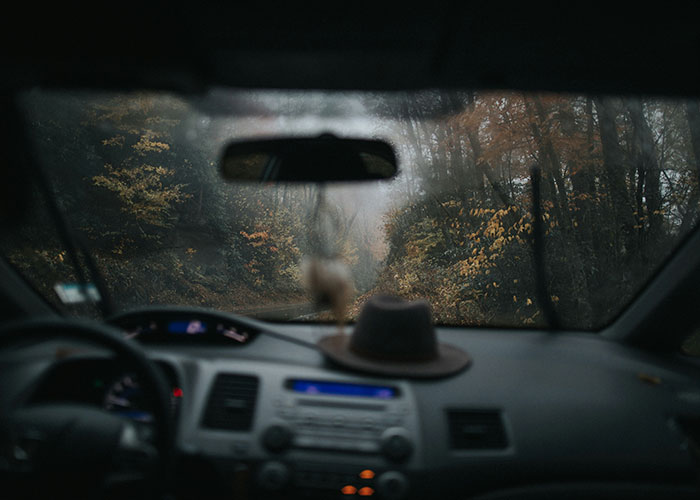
137,175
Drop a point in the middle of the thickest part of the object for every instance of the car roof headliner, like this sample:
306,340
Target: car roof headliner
375,47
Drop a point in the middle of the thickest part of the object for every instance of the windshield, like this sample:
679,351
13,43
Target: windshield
137,176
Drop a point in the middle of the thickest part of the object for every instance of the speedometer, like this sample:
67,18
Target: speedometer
125,397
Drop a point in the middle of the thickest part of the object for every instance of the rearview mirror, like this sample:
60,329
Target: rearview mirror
326,158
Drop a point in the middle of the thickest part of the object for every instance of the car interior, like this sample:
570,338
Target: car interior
165,400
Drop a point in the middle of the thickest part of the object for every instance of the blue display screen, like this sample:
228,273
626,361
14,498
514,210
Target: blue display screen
194,327
343,389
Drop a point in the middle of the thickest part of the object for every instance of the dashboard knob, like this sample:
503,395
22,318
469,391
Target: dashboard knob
396,444
273,476
277,437
392,485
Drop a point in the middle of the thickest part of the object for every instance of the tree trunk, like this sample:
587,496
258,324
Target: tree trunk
692,111
578,278
614,168
483,168
649,173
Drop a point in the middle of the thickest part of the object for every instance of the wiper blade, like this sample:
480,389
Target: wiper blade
74,247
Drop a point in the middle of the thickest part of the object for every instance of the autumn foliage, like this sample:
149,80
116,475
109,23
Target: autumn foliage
619,188
137,176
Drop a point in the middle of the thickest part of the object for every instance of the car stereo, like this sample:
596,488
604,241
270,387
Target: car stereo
340,416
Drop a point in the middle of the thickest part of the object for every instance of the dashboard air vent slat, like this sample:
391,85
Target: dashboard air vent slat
232,402
476,430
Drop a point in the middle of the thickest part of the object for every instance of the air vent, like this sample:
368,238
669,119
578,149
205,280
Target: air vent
232,403
476,430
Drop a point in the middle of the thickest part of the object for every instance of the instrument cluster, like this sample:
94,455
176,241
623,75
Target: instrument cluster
105,384
186,326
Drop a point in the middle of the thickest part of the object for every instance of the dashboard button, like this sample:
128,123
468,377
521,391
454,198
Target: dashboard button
396,444
277,437
392,485
305,441
368,424
368,446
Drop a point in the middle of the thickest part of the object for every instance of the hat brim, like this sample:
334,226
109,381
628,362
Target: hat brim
450,360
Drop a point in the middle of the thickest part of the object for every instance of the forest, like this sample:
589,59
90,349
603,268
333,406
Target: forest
137,177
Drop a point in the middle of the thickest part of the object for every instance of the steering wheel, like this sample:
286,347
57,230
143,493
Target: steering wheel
58,448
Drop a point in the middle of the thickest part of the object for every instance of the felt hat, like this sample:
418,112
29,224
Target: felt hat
395,337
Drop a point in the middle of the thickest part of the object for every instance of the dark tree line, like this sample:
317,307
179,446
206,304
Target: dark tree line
619,188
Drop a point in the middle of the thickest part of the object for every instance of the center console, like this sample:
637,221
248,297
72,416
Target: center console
321,436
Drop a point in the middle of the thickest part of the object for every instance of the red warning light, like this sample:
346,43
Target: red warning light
177,392
366,491
348,490
367,474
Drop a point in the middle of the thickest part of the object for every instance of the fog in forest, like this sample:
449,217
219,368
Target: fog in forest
137,176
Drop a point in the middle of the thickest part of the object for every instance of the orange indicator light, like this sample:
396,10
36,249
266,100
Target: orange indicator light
366,491
367,474
349,490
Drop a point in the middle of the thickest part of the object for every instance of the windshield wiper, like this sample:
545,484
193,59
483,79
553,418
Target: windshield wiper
74,247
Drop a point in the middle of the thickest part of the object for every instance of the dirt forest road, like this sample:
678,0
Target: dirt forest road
281,312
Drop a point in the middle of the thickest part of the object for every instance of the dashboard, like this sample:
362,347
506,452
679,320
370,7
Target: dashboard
263,414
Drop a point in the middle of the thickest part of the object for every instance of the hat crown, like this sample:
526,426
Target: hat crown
391,328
